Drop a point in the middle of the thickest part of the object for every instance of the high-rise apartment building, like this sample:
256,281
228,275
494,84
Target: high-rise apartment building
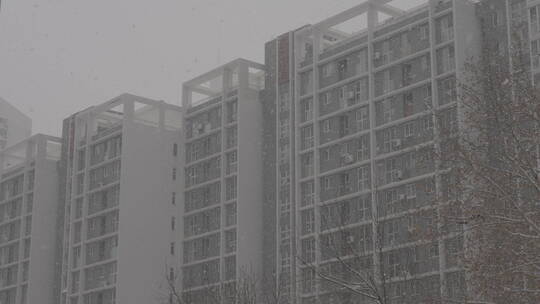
120,165
222,210
28,213
352,119
14,125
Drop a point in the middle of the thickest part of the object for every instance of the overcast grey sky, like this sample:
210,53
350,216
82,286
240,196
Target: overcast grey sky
60,56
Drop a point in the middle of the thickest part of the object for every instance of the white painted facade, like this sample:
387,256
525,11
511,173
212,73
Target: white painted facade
28,215
120,217
14,125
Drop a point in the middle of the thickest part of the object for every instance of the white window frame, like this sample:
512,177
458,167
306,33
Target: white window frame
327,183
408,129
328,69
363,178
326,126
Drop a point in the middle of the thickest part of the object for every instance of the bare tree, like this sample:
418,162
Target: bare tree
494,172
354,261
246,289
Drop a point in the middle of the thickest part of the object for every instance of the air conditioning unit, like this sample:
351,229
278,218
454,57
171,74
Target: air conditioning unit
350,239
350,94
377,55
347,158
396,143
402,196
398,174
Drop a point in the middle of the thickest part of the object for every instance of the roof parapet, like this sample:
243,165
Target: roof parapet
219,81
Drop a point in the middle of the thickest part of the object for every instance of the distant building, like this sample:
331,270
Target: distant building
28,213
14,125
120,172
222,210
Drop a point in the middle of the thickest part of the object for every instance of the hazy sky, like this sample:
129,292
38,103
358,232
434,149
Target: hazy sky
60,56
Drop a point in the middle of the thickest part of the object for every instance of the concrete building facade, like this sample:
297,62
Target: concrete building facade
14,125
28,213
356,116
120,164
222,210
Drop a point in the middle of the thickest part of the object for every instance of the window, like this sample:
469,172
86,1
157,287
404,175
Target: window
173,198
408,104
407,75
427,123
495,19
232,111
230,214
283,101
342,67
230,191
410,191
345,186
344,125
361,91
363,178
172,248
362,152
447,90
308,250
230,241
307,164
174,173
362,119
328,69
232,159
326,126
535,53
78,208
326,98
388,83
391,231
308,221
446,59
175,149
387,110
424,64
308,280
230,268
327,183
307,110
284,128
232,134
306,82
173,223
408,129
308,189
325,154
446,29
535,22
284,176
361,66
424,32
307,137
386,52
341,93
